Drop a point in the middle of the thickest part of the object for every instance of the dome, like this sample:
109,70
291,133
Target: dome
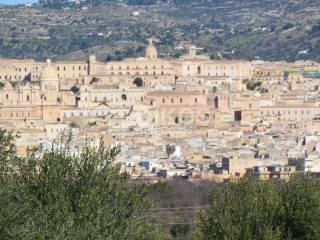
49,73
151,51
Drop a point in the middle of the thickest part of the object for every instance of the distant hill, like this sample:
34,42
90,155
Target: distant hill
251,29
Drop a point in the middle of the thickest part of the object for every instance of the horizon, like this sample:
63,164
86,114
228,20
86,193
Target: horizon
14,2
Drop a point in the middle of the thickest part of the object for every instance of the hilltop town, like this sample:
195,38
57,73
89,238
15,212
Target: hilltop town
190,117
160,119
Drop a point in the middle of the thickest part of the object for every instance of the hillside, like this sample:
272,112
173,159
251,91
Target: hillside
270,29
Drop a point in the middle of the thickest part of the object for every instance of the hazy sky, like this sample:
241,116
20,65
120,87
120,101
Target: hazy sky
15,1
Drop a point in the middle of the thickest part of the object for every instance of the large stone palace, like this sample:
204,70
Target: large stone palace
42,91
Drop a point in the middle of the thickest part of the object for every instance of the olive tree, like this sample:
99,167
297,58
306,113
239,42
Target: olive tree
252,209
56,195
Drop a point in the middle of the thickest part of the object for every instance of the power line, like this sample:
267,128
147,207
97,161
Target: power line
176,212
195,207
176,223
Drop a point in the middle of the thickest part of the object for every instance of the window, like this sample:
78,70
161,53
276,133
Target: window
196,100
124,97
180,100
163,100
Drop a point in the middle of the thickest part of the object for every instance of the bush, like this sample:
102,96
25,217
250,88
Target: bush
55,195
253,209
138,82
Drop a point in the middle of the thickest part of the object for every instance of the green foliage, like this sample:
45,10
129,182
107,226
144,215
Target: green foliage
180,230
55,195
74,125
8,157
138,82
263,210
252,86
170,149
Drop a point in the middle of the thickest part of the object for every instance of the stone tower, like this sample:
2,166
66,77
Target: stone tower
49,78
151,51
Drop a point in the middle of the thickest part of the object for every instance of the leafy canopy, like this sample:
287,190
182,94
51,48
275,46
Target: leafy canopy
252,209
55,195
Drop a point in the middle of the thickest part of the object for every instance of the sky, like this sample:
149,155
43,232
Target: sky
11,2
